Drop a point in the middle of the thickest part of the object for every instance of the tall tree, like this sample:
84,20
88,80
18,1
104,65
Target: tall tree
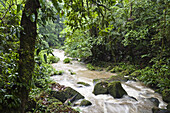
27,48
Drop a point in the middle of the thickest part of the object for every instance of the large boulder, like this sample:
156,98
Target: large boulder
101,88
66,94
166,95
116,90
85,103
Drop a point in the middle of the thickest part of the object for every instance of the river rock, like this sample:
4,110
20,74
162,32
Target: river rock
83,83
155,101
101,88
166,95
116,90
85,103
66,94
158,110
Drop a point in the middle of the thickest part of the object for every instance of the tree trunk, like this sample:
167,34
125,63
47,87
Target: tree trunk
27,48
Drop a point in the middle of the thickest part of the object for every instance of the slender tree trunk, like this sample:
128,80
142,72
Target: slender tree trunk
27,48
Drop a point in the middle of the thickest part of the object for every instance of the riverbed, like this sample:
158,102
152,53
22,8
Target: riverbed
104,103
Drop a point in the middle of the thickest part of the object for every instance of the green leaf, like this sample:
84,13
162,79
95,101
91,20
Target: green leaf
32,17
56,5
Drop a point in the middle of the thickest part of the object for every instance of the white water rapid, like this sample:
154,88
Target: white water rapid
104,103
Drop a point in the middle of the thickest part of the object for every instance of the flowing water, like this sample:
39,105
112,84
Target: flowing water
104,103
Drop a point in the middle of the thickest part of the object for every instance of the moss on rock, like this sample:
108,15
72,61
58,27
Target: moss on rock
67,60
116,90
83,83
67,93
101,88
117,78
85,103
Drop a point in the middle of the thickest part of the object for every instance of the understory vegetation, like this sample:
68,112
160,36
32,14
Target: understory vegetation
132,33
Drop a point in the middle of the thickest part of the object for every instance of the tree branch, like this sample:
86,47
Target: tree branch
98,4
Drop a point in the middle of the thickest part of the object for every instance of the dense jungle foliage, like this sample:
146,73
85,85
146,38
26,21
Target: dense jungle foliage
129,34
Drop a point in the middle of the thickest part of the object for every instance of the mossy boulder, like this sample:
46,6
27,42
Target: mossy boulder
116,90
67,93
166,95
85,103
83,83
67,60
96,80
56,106
101,88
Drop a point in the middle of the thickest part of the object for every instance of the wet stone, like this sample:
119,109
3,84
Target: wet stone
155,101
116,90
85,103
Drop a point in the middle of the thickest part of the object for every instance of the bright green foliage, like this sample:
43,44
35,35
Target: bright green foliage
77,44
116,69
58,72
53,59
135,32
67,60
90,67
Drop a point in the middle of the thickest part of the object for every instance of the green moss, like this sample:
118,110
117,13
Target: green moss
65,94
101,88
116,90
83,83
96,80
71,72
85,103
118,77
67,60
58,72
